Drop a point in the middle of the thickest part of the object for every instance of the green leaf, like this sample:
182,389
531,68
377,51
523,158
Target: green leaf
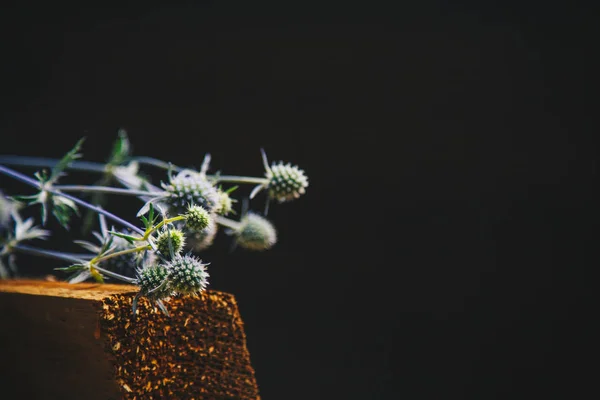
151,213
26,199
148,207
129,238
63,209
44,212
106,246
62,217
79,276
64,162
88,246
71,268
120,150
231,189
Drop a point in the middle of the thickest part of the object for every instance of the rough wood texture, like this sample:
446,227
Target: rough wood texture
61,341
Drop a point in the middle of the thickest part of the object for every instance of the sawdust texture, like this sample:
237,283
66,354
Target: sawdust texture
198,352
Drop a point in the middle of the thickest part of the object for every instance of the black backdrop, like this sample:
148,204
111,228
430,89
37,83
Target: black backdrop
440,249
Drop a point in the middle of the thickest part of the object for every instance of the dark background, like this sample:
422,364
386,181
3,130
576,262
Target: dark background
441,249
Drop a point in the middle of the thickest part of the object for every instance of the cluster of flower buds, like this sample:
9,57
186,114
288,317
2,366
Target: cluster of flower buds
183,274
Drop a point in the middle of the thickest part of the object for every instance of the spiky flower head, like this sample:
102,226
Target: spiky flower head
187,274
198,241
170,240
197,218
154,283
256,233
286,182
190,187
225,205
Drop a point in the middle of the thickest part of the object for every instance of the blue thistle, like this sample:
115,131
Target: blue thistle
255,233
189,187
187,274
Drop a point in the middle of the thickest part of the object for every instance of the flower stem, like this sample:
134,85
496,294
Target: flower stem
160,225
20,177
70,258
100,167
99,210
219,178
119,253
103,189
58,255
115,275
229,223
239,179
50,189
155,162
37,162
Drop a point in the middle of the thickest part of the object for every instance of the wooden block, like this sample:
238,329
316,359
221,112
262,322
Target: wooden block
80,341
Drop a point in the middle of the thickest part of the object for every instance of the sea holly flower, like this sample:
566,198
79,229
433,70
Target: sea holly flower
190,187
197,218
187,274
153,282
170,242
225,204
255,233
284,182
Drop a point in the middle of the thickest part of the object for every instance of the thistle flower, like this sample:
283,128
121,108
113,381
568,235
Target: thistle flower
197,218
154,283
255,233
225,204
198,241
285,182
170,242
187,274
190,187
